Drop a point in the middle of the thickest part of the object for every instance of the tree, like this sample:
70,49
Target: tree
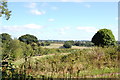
5,37
46,43
79,43
67,45
71,42
104,37
29,39
15,49
4,10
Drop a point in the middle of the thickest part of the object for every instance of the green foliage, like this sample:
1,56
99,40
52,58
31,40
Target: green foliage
10,71
79,63
16,50
34,46
28,38
28,50
84,43
4,10
46,43
71,42
104,37
67,45
7,69
5,37
57,63
118,48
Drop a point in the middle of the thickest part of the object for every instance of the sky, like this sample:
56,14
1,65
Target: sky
63,0
60,20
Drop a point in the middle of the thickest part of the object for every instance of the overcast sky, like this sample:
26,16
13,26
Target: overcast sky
60,20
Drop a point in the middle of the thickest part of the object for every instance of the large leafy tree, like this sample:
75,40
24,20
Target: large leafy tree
104,37
5,37
29,39
4,9
19,49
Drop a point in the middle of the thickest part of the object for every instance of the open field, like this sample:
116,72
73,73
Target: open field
82,63
55,45
56,62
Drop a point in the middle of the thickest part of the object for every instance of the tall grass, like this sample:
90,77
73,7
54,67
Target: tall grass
77,64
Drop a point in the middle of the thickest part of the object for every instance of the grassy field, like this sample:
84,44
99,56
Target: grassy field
33,59
55,45
78,62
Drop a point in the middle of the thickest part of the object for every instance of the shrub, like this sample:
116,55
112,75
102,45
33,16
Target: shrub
44,43
67,45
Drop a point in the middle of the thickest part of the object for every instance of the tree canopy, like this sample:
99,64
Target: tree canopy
4,9
29,39
104,37
67,44
5,37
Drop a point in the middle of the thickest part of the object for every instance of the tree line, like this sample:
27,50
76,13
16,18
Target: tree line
104,37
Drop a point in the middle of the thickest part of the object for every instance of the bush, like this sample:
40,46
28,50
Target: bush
84,43
44,43
67,45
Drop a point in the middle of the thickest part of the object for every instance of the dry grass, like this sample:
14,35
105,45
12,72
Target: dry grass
61,46
20,61
54,46
79,47
76,64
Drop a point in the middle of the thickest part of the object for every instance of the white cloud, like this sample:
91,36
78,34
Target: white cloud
51,20
33,26
37,12
66,28
20,28
88,5
10,28
34,9
88,29
63,30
